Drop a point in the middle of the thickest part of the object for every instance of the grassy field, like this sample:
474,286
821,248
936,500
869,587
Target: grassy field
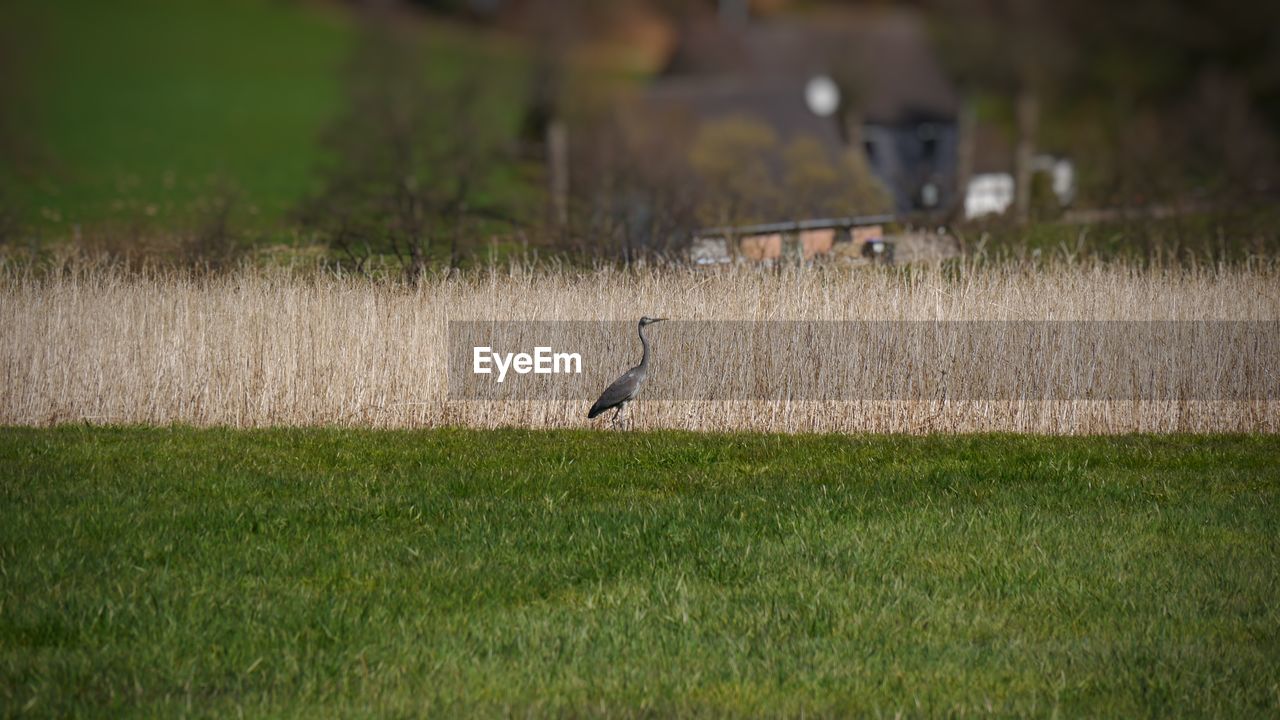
142,113
325,572
138,109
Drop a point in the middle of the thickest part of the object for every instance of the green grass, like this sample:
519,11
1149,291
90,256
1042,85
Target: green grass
143,112
1204,238
139,108
328,572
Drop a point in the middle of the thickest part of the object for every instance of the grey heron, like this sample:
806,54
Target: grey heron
624,389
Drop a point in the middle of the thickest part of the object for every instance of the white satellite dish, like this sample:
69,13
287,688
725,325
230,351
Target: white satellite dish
822,95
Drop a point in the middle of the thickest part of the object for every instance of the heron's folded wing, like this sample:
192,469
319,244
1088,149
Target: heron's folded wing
621,390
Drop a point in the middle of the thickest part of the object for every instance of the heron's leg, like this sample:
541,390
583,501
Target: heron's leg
616,413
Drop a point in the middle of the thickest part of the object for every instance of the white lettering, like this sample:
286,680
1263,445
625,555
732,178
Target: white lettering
571,360
502,366
479,361
543,361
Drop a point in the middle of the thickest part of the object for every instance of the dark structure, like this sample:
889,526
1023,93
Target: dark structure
894,103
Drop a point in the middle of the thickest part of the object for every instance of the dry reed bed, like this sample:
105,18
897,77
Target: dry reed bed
257,348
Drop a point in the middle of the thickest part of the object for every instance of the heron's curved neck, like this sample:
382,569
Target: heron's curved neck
644,342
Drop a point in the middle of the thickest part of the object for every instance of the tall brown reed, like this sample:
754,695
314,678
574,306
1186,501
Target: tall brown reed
255,348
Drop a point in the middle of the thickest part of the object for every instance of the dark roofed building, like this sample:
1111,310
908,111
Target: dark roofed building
894,99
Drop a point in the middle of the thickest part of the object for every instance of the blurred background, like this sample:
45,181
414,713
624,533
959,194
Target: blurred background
414,136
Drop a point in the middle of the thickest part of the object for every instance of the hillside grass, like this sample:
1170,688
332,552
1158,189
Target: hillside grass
140,115
137,109
454,572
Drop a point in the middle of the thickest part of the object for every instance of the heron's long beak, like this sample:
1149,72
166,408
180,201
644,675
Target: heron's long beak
658,319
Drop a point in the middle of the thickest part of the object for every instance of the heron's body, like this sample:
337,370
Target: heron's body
624,389
620,391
